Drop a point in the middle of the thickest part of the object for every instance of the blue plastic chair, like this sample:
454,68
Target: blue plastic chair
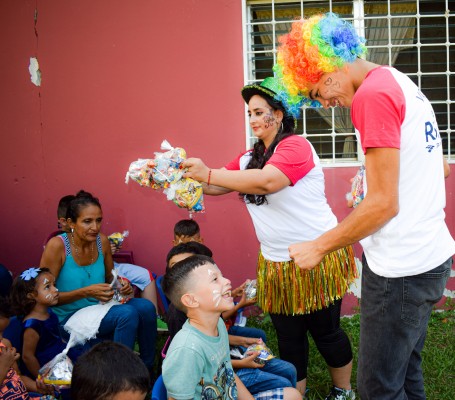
164,300
159,391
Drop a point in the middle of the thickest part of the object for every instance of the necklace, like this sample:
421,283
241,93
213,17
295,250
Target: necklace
92,257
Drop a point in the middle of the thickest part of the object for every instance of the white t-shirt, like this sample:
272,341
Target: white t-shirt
298,212
389,111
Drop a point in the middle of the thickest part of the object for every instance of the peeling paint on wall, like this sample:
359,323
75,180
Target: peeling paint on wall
35,73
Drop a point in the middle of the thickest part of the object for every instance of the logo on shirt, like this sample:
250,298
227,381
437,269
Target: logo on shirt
223,386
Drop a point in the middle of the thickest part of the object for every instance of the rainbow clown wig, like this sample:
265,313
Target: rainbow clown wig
313,47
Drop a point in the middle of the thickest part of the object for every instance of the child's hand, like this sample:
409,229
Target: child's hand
114,248
44,388
126,288
237,292
248,360
8,356
244,302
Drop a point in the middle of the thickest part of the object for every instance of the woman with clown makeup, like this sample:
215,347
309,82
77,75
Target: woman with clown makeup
400,222
282,184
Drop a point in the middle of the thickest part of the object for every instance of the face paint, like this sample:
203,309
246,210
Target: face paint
269,119
48,296
45,281
216,297
209,271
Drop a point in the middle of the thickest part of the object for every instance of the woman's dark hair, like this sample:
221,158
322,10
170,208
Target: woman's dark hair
260,155
107,369
21,304
80,201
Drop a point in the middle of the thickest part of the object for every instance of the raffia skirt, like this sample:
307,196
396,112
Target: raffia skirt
283,288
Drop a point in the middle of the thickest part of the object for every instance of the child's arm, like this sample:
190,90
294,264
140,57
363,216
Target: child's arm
243,341
247,362
8,357
242,391
31,338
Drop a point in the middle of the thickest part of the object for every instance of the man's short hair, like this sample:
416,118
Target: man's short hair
107,369
176,281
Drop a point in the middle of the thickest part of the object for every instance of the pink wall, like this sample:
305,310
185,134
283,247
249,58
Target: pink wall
118,78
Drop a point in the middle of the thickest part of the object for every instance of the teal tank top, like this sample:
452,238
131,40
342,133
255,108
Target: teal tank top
73,276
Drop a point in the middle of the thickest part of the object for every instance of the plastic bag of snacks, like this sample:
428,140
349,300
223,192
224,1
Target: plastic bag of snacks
165,172
58,371
264,352
357,188
117,238
117,284
250,290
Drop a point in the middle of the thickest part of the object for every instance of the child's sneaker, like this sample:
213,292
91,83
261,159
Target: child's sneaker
340,394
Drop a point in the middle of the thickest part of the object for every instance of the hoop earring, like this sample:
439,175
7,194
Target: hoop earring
72,230
282,127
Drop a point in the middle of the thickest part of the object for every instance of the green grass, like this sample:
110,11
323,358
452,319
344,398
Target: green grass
438,355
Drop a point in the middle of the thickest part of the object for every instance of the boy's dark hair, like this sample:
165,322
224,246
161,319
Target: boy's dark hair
5,307
189,247
63,205
186,227
80,201
21,304
107,369
175,281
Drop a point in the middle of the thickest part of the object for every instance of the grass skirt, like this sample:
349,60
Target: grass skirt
284,288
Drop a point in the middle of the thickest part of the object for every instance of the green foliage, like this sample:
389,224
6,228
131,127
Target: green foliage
438,355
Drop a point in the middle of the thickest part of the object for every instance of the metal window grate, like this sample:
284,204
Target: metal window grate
417,37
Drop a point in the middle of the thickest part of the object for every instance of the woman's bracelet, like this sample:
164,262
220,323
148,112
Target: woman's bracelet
208,180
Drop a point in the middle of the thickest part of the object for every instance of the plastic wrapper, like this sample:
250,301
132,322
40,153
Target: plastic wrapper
165,172
117,238
264,353
58,371
358,187
116,286
250,290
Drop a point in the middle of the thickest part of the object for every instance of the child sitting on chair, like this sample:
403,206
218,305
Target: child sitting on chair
12,384
33,294
188,231
197,364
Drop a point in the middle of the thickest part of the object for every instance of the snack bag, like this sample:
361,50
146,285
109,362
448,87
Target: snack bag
116,284
165,172
58,371
358,187
264,353
117,238
250,290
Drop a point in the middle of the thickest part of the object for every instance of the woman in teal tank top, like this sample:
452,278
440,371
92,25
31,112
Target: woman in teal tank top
82,263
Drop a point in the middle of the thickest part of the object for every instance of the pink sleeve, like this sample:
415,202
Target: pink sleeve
235,163
293,157
378,111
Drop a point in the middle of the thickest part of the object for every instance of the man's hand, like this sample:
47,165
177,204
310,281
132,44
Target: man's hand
305,255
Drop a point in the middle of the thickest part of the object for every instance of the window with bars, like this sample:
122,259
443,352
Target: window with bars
416,37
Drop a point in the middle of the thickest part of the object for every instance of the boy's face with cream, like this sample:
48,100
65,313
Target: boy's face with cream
210,291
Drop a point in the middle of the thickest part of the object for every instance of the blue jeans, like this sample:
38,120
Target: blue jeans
247,332
274,374
124,322
393,324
